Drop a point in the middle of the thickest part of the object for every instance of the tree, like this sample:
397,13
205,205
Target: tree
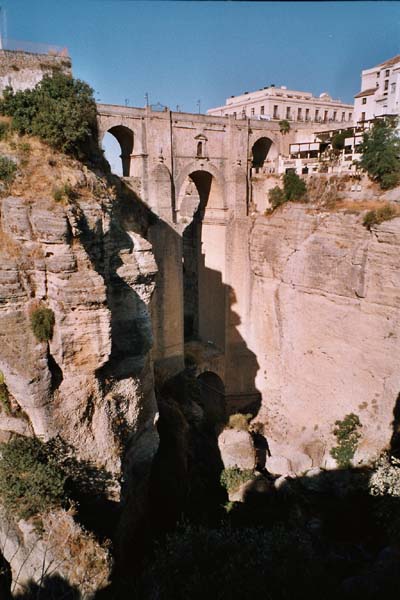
30,480
284,126
276,196
380,151
293,186
60,110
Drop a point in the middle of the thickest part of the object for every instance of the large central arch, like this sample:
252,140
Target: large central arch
203,259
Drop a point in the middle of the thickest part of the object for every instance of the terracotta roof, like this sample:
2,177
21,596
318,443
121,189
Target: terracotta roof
368,92
390,62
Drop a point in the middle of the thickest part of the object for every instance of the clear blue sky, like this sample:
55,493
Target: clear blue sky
180,52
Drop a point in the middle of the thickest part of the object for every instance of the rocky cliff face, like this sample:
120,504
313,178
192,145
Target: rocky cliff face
92,384
324,323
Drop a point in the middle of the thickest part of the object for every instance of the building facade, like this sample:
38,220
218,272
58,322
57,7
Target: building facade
273,103
380,91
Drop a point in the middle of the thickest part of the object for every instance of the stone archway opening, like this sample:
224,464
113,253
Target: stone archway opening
203,260
260,152
212,398
118,144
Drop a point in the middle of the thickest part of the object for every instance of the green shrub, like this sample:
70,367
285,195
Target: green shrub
4,130
58,194
60,110
380,151
198,562
284,126
4,397
276,196
384,484
42,323
375,217
239,421
64,192
389,180
233,477
293,186
347,436
339,138
8,169
30,480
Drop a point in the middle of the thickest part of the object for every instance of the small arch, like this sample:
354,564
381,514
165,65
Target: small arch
212,398
260,151
199,153
125,139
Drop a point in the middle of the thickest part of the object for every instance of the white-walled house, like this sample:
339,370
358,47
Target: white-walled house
278,103
380,91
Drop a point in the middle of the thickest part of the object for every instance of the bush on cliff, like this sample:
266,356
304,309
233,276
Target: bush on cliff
378,216
380,151
294,189
60,110
293,186
30,480
347,436
42,323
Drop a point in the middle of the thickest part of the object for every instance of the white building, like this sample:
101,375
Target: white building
380,91
272,103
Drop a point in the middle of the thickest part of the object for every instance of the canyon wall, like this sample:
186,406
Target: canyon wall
318,298
92,384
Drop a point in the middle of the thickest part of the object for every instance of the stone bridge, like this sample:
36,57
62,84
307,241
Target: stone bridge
194,172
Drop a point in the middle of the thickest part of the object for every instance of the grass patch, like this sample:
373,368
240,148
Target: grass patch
233,477
239,421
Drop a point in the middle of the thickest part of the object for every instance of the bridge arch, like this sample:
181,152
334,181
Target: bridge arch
262,148
203,258
125,138
207,181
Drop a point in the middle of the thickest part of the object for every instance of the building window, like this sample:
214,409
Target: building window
350,116
334,115
307,114
244,113
299,114
386,84
276,116
199,149
343,116
364,101
252,112
325,116
378,73
317,115
392,88
288,112
234,115
363,116
262,110
387,72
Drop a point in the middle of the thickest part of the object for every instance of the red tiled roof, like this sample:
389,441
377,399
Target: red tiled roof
368,92
390,62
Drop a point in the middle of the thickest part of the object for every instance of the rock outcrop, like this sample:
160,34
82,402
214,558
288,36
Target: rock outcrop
92,383
324,323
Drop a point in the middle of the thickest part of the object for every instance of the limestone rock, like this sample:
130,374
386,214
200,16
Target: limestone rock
62,549
236,448
323,322
278,465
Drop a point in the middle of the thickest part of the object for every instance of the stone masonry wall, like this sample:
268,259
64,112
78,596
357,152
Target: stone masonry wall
22,70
